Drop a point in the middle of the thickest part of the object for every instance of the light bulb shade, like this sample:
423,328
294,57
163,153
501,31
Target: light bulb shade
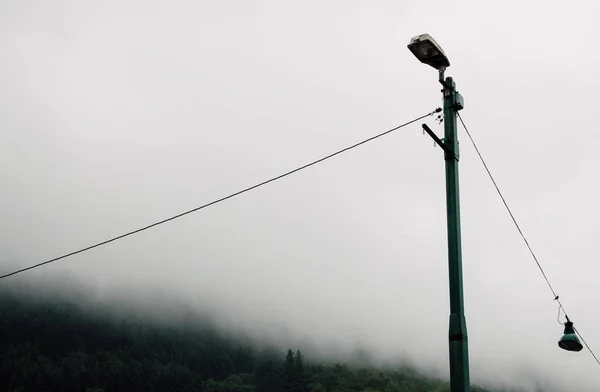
570,341
428,52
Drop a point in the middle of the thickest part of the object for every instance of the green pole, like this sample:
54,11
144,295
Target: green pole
458,342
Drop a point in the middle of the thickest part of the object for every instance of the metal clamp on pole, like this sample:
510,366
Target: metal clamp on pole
439,141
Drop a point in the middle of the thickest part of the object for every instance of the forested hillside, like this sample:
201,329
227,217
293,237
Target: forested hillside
54,345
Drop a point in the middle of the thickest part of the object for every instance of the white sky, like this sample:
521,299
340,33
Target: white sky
115,114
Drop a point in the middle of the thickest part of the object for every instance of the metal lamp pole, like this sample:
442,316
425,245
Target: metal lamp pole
459,353
429,52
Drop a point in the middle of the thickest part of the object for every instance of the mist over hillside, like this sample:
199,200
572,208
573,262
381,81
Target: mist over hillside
60,332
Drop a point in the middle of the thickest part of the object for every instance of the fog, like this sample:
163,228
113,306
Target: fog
118,114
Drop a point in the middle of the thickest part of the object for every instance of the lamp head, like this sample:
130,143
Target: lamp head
570,341
429,52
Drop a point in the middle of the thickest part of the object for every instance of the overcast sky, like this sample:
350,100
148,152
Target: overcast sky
115,114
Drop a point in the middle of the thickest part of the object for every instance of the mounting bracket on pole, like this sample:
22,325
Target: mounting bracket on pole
439,141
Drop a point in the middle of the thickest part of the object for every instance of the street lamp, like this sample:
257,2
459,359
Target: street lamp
429,52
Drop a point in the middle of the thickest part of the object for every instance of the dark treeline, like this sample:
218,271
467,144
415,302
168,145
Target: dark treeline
54,345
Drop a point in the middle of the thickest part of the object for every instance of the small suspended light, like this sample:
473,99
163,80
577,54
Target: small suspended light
570,341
